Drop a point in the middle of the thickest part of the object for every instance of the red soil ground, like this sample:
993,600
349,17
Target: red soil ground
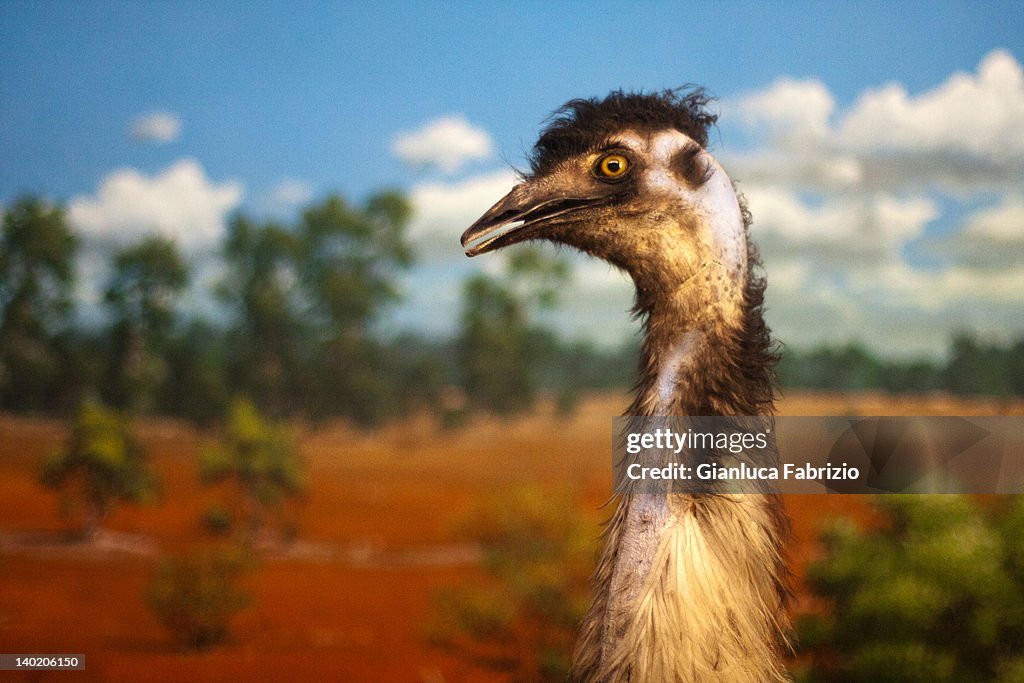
349,603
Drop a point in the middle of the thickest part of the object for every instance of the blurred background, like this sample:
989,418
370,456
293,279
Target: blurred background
259,413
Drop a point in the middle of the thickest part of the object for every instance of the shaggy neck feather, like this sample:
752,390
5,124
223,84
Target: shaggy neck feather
692,587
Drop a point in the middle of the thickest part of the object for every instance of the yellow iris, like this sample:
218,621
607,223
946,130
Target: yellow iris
613,166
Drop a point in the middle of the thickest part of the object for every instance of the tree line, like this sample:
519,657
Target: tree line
297,328
971,367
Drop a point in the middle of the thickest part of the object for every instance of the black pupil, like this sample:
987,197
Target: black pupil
613,165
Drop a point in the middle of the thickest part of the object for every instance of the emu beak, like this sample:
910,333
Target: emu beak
518,216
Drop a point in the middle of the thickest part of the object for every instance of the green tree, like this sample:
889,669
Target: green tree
500,347
37,250
268,332
494,347
100,465
306,299
350,260
933,594
260,458
142,295
977,368
851,367
1015,369
198,356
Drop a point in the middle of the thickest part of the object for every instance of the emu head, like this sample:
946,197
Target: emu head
628,179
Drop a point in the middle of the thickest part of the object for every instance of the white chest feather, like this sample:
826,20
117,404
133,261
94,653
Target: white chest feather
707,607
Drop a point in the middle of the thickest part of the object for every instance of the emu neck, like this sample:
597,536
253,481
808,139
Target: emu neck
690,343
691,587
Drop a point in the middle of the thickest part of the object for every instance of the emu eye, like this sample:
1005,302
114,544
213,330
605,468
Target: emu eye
612,166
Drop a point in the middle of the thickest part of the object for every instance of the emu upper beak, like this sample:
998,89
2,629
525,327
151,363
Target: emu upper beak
518,216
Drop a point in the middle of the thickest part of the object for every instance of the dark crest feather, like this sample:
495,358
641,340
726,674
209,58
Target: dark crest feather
582,124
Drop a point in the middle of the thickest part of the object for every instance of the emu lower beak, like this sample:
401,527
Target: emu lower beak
518,216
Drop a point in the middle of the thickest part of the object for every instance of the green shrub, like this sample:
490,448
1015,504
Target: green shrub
217,520
260,458
196,596
100,465
934,594
537,550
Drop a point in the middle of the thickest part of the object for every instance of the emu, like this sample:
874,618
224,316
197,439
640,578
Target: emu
690,587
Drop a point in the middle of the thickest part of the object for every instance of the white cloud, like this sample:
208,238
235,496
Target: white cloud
837,271
846,207
939,293
991,239
93,272
599,275
596,304
980,114
964,135
442,211
292,191
790,108
447,143
179,202
288,194
158,127
893,307
877,225
1003,223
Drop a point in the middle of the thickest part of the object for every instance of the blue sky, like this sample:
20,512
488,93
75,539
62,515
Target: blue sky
265,106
